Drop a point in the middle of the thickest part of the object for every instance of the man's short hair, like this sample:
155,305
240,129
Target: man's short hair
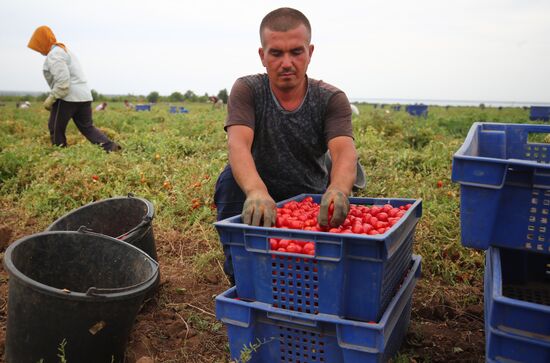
282,20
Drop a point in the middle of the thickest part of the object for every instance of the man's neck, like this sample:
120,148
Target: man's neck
291,99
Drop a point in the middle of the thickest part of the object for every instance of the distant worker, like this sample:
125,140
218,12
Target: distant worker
25,104
216,102
101,107
128,105
70,96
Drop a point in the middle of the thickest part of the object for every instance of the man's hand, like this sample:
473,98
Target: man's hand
259,207
49,102
340,202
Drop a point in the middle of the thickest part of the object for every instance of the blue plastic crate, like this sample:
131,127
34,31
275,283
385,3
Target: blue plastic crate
539,113
504,186
289,336
509,348
143,108
365,269
517,293
417,110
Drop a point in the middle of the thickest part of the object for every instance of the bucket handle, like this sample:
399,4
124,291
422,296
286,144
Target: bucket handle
95,291
146,220
144,223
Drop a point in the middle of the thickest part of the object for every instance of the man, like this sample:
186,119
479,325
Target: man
279,127
70,96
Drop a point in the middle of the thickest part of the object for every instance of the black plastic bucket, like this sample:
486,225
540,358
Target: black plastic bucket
126,218
78,291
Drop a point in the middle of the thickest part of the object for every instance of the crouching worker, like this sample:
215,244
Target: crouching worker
70,96
279,127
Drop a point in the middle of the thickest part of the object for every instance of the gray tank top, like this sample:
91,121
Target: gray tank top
289,146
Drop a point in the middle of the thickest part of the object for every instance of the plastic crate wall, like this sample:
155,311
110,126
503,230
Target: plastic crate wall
539,113
366,270
517,305
293,337
505,186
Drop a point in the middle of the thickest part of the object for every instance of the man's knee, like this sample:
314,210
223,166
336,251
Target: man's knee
228,196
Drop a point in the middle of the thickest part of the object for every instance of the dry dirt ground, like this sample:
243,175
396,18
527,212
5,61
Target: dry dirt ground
178,324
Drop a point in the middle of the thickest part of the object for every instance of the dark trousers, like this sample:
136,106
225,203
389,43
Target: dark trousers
81,113
229,200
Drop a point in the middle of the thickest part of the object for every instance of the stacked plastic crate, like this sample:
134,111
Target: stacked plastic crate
504,173
349,302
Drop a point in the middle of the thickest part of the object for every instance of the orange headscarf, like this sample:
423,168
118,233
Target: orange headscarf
43,39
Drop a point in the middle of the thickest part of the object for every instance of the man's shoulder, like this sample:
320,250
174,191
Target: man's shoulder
324,86
253,79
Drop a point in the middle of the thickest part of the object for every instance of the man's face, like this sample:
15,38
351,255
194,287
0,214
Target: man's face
286,56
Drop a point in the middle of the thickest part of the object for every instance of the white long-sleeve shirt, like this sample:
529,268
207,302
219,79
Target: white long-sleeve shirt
65,76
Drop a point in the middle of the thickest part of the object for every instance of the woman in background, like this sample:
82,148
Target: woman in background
70,96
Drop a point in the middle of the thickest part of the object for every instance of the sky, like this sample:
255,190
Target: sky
483,50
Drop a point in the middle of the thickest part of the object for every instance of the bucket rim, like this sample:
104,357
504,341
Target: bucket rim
146,219
134,290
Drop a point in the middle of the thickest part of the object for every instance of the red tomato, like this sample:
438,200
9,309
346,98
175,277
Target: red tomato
283,243
357,229
334,230
309,246
273,243
393,212
280,249
382,216
291,248
381,224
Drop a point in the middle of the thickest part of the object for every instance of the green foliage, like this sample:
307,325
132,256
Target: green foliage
223,95
153,97
176,97
251,348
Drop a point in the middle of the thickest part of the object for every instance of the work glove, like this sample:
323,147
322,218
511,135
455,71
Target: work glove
49,102
334,208
259,209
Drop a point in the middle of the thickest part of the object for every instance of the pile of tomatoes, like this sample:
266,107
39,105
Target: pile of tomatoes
361,219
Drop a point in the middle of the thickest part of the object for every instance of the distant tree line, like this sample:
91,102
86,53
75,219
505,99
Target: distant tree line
152,97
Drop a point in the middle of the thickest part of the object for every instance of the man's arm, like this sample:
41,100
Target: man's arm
259,207
344,164
342,178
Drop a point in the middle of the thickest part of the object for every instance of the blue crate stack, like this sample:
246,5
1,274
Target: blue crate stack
417,110
143,108
541,113
175,109
350,302
504,176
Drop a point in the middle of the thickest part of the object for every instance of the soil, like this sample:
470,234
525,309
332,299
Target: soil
178,323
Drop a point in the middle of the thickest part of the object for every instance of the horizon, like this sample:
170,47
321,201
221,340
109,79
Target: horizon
390,100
